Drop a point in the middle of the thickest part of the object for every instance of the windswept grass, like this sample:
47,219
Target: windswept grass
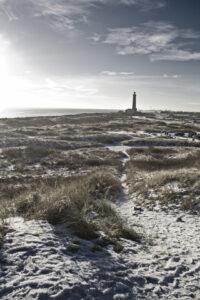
83,204
152,159
22,160
5,210
172,179
161,142
85,159
26,155
167,172
1,235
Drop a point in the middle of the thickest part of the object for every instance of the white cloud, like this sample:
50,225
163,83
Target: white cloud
64,14
159,40
132,76
175,55
95,38
145,39
113,73
145,5
172,76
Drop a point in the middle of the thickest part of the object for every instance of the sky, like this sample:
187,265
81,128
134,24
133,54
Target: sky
96,53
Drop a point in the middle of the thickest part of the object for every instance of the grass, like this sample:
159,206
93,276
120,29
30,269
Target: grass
153,151
86,159
27,155
22,160
83,204
168,176
4,213
2,233
152,159
106,138
160,142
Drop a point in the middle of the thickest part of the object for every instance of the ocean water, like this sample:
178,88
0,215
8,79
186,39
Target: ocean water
36,112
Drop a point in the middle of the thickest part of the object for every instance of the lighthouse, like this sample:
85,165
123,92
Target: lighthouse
134,108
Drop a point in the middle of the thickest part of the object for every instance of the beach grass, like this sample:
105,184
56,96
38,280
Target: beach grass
166,176
83,205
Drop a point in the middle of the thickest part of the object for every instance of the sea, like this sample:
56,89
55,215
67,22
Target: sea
39,112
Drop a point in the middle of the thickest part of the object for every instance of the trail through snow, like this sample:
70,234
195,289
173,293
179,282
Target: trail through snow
171,261
36,261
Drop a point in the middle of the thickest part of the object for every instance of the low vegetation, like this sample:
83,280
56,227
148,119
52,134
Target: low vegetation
161,142
85,159
83,204
27,155
167,176
59,169
28,163
1,235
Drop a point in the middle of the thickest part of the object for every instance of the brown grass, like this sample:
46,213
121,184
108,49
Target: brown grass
2,233
161,142
27,155
153,151
5,211
23,160
82,204
171,181
152,159
85,159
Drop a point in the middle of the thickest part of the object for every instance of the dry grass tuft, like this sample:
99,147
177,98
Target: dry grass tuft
82,204
104,186
2,233
115,229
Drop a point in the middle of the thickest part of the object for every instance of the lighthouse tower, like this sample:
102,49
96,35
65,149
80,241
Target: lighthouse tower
134,108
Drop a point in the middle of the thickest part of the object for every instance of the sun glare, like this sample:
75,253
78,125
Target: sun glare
12,86
5,82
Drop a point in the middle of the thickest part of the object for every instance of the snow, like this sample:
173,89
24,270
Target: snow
118,148
172,259
36,261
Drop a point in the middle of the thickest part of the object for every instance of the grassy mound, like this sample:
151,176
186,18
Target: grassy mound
83,204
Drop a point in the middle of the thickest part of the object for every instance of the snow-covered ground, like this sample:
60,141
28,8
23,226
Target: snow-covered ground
172,258
44,262
39,261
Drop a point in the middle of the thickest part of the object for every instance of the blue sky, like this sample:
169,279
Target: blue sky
95,53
